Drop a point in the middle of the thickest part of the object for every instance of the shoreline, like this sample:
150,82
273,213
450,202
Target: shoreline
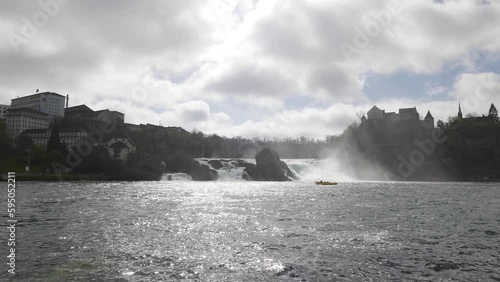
51,178
55,177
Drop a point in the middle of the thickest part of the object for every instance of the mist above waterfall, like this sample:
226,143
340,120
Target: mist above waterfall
338,167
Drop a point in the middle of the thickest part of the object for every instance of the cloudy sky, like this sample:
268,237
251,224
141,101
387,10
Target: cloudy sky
273,68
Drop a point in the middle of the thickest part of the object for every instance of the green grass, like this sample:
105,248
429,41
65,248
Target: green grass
14,164
10,164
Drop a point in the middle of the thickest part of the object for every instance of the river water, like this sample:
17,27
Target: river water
256,231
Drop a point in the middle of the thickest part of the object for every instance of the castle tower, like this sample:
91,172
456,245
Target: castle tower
459,111
429,119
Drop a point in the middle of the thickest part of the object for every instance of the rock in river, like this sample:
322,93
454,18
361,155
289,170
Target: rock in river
269,167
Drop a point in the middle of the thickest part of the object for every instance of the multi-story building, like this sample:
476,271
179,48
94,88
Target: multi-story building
46,102
21,119
3,111
376,113
83,116
68,136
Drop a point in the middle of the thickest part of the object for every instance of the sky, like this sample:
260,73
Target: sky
254,68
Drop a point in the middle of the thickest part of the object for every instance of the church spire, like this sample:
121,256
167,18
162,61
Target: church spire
459,110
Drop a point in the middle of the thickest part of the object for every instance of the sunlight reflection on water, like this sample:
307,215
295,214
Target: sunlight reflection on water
258,231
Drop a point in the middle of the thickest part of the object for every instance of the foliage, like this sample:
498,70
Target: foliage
493,112
10,164
51,157
38,154
441,125
24,143
5,146
54,141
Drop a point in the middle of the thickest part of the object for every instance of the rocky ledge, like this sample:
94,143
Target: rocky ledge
268,167
183,163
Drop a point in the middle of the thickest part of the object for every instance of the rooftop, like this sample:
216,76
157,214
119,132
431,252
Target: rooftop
375,108
107,110
408,110
79,108
36,94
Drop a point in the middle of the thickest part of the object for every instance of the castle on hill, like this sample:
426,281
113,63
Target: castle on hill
405,114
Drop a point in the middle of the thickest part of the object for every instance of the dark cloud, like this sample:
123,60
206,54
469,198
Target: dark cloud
196,111
82,36
252,80
332,79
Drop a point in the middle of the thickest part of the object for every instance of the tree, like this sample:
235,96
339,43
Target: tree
64,148
4,139
52,157
493,112
54,141
38,153
441,124
24,143
360,115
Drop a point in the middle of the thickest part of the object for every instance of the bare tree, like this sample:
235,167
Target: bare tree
360,114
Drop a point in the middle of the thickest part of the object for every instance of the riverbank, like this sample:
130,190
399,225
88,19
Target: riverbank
54,177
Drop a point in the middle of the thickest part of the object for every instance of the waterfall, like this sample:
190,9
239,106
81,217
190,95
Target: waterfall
305,169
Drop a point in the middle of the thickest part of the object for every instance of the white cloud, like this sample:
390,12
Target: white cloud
174,60
476,92
310,122
434,90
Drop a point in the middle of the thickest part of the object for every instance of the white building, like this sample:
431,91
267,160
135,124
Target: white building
21,119
119,148
46,102
69,136
3,111
405,114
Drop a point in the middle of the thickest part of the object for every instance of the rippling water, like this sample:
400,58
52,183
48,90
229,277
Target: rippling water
256,231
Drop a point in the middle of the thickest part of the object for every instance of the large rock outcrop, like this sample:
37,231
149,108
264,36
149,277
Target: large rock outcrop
183,163
268,167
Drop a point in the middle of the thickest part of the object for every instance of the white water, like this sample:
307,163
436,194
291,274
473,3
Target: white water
305,169
314,169
176,177
230,171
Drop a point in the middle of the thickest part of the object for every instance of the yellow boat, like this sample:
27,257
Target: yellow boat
325,182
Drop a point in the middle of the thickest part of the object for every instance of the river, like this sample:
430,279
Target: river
255,231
